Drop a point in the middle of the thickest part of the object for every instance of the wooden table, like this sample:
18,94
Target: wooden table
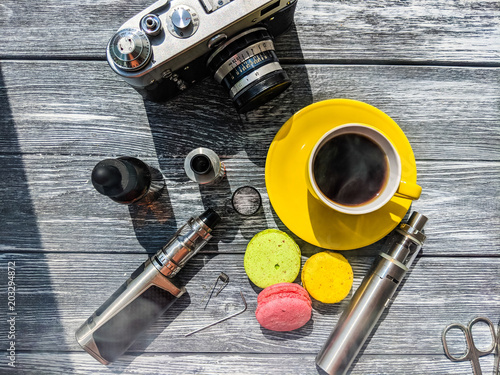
432,65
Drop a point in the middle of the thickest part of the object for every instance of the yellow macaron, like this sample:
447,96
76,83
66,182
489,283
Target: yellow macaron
327,276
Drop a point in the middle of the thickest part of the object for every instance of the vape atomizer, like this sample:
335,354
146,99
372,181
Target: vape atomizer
146,295
203,166
127,180
373,296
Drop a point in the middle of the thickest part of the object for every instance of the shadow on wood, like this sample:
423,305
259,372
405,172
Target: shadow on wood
18,216
204,116
154,222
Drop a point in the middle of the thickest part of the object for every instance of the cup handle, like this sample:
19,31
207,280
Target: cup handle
408,190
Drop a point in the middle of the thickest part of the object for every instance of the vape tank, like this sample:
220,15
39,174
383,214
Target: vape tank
372,297
146,295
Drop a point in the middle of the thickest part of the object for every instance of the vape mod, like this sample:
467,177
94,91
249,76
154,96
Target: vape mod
372,297
146,295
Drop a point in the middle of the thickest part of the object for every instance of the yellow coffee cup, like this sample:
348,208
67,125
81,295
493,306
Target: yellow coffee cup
355,169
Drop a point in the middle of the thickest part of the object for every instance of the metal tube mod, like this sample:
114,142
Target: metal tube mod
146,295
372,297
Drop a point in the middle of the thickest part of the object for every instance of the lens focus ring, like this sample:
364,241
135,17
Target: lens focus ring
241,57
249,69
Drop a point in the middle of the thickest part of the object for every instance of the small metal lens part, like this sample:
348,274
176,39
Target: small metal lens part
246,200
201,164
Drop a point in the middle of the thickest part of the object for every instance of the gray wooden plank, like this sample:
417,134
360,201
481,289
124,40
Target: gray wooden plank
57,292
50,205
423,31
242,364
446,113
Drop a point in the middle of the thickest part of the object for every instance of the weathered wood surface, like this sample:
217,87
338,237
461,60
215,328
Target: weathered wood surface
432,65
439,31
460,197
438,291
238,363
447,113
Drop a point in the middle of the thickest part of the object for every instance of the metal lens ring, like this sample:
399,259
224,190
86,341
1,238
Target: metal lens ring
246,200
130,49
247,66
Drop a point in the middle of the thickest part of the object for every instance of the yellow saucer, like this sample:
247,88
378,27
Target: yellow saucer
286,175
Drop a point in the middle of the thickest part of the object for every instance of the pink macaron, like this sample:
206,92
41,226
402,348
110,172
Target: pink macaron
283,307
282,288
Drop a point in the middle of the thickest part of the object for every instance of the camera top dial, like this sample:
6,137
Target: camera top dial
182,21
130,49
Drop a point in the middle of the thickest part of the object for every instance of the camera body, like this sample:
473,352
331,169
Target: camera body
165,49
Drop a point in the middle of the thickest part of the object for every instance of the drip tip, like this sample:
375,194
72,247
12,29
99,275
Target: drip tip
106,175
203,166
110,177
210,218
417,221
123,179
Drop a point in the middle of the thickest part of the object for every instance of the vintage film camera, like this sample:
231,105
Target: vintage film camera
172,44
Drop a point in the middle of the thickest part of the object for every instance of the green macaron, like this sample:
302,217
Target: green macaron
272,257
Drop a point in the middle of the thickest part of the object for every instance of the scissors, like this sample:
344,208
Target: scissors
472,353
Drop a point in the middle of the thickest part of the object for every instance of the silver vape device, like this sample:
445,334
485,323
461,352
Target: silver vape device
146,295
372,297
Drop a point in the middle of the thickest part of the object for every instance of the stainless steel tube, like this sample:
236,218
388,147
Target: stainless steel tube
372,297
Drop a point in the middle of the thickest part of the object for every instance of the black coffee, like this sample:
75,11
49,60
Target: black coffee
350,169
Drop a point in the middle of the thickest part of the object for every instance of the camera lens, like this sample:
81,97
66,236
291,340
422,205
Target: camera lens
247,66
200,164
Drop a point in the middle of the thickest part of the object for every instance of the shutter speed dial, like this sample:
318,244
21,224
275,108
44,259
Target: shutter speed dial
181,18
182,21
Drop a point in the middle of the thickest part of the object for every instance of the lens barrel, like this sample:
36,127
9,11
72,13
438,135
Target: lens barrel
248,68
